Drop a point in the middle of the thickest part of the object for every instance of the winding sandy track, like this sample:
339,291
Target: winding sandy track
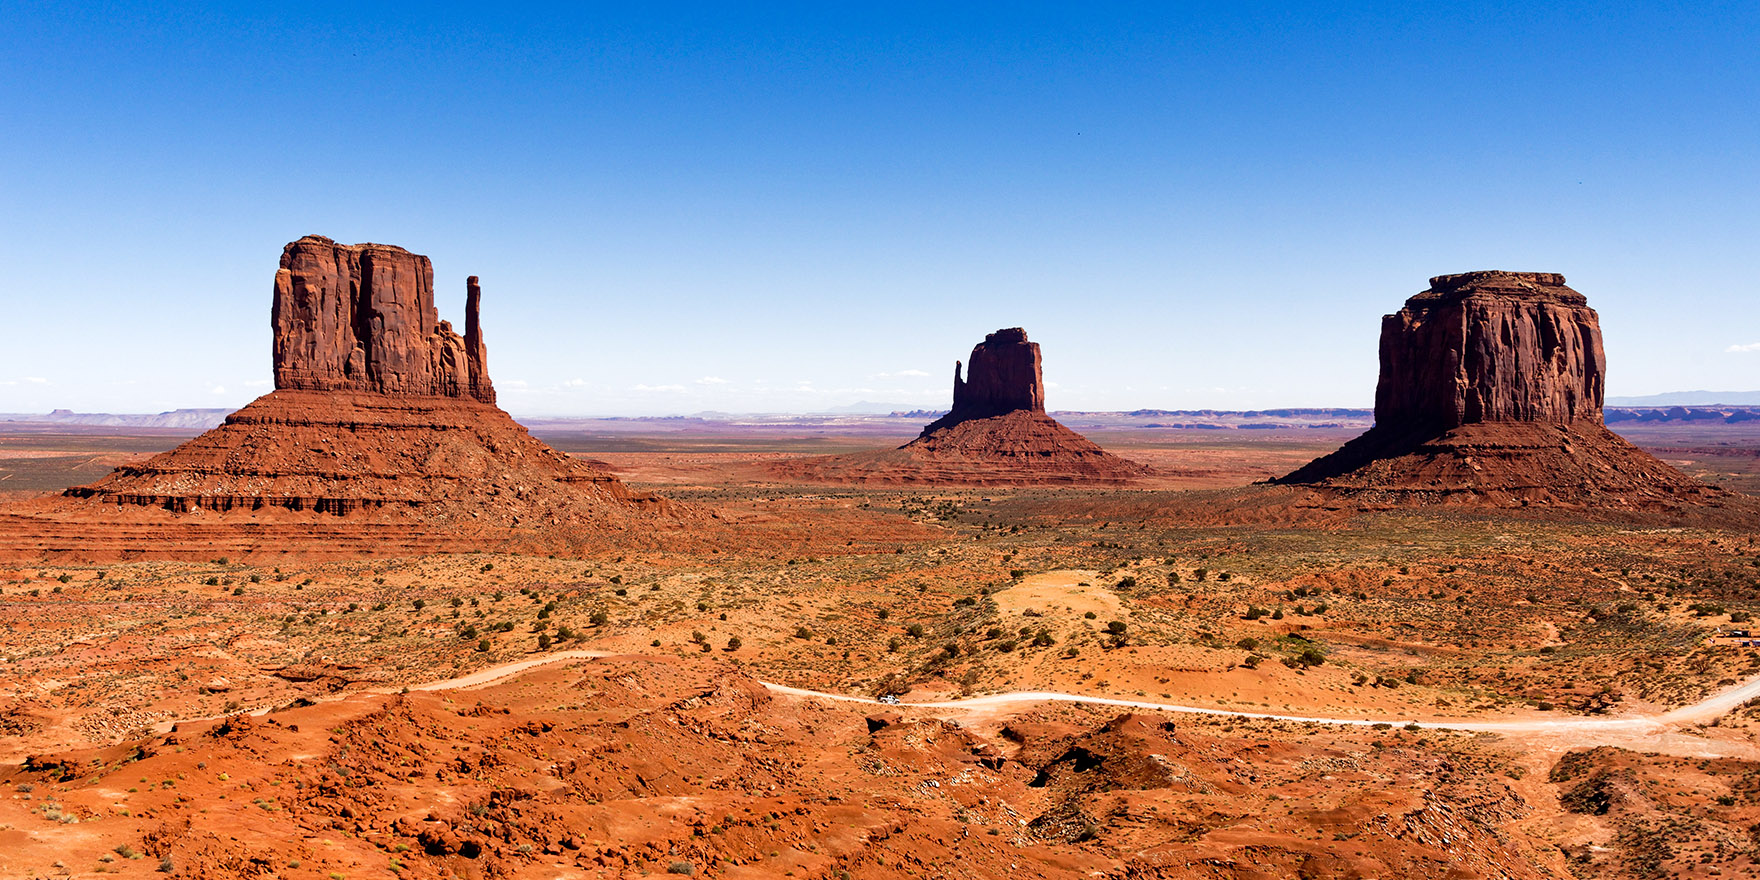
1653,730
1623,727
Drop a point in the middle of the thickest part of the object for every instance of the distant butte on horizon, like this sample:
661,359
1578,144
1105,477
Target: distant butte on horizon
997,433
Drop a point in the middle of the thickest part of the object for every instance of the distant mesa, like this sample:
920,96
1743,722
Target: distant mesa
382,436
1491,392
997,433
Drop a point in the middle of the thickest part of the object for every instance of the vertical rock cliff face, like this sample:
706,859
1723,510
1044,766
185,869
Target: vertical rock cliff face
1490,392
1005,376
362,318
1491,347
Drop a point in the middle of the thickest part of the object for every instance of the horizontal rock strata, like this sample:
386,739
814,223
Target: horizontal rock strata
1491,391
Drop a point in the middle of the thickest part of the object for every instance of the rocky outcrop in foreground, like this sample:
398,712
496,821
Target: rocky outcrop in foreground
1491,391
996,434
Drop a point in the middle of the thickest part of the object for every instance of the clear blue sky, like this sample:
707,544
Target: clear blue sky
791,208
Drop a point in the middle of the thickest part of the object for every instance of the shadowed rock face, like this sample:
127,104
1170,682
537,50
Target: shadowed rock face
362,318
1491,347
1491,392
1005,376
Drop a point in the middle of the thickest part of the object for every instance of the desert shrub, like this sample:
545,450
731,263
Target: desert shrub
915,630
1116,627
1043,639
892,645
1089,615
801,632
1247,644
600,618
419,604
734,643
483,646
544,641
685,868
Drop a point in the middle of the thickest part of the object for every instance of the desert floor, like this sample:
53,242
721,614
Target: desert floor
1273,691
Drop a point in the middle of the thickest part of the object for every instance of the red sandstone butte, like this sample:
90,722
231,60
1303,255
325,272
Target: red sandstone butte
1491,391
382,436
362,318
997,433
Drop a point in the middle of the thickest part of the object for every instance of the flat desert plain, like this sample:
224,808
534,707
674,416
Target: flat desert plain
1192,676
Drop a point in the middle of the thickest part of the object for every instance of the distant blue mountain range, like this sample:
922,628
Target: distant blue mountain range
1690,398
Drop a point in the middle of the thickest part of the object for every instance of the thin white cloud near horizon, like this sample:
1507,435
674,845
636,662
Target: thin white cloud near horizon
1743,349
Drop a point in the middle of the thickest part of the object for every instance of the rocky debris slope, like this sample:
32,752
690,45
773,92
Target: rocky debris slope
643,766
1491,390
996,434
381,413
